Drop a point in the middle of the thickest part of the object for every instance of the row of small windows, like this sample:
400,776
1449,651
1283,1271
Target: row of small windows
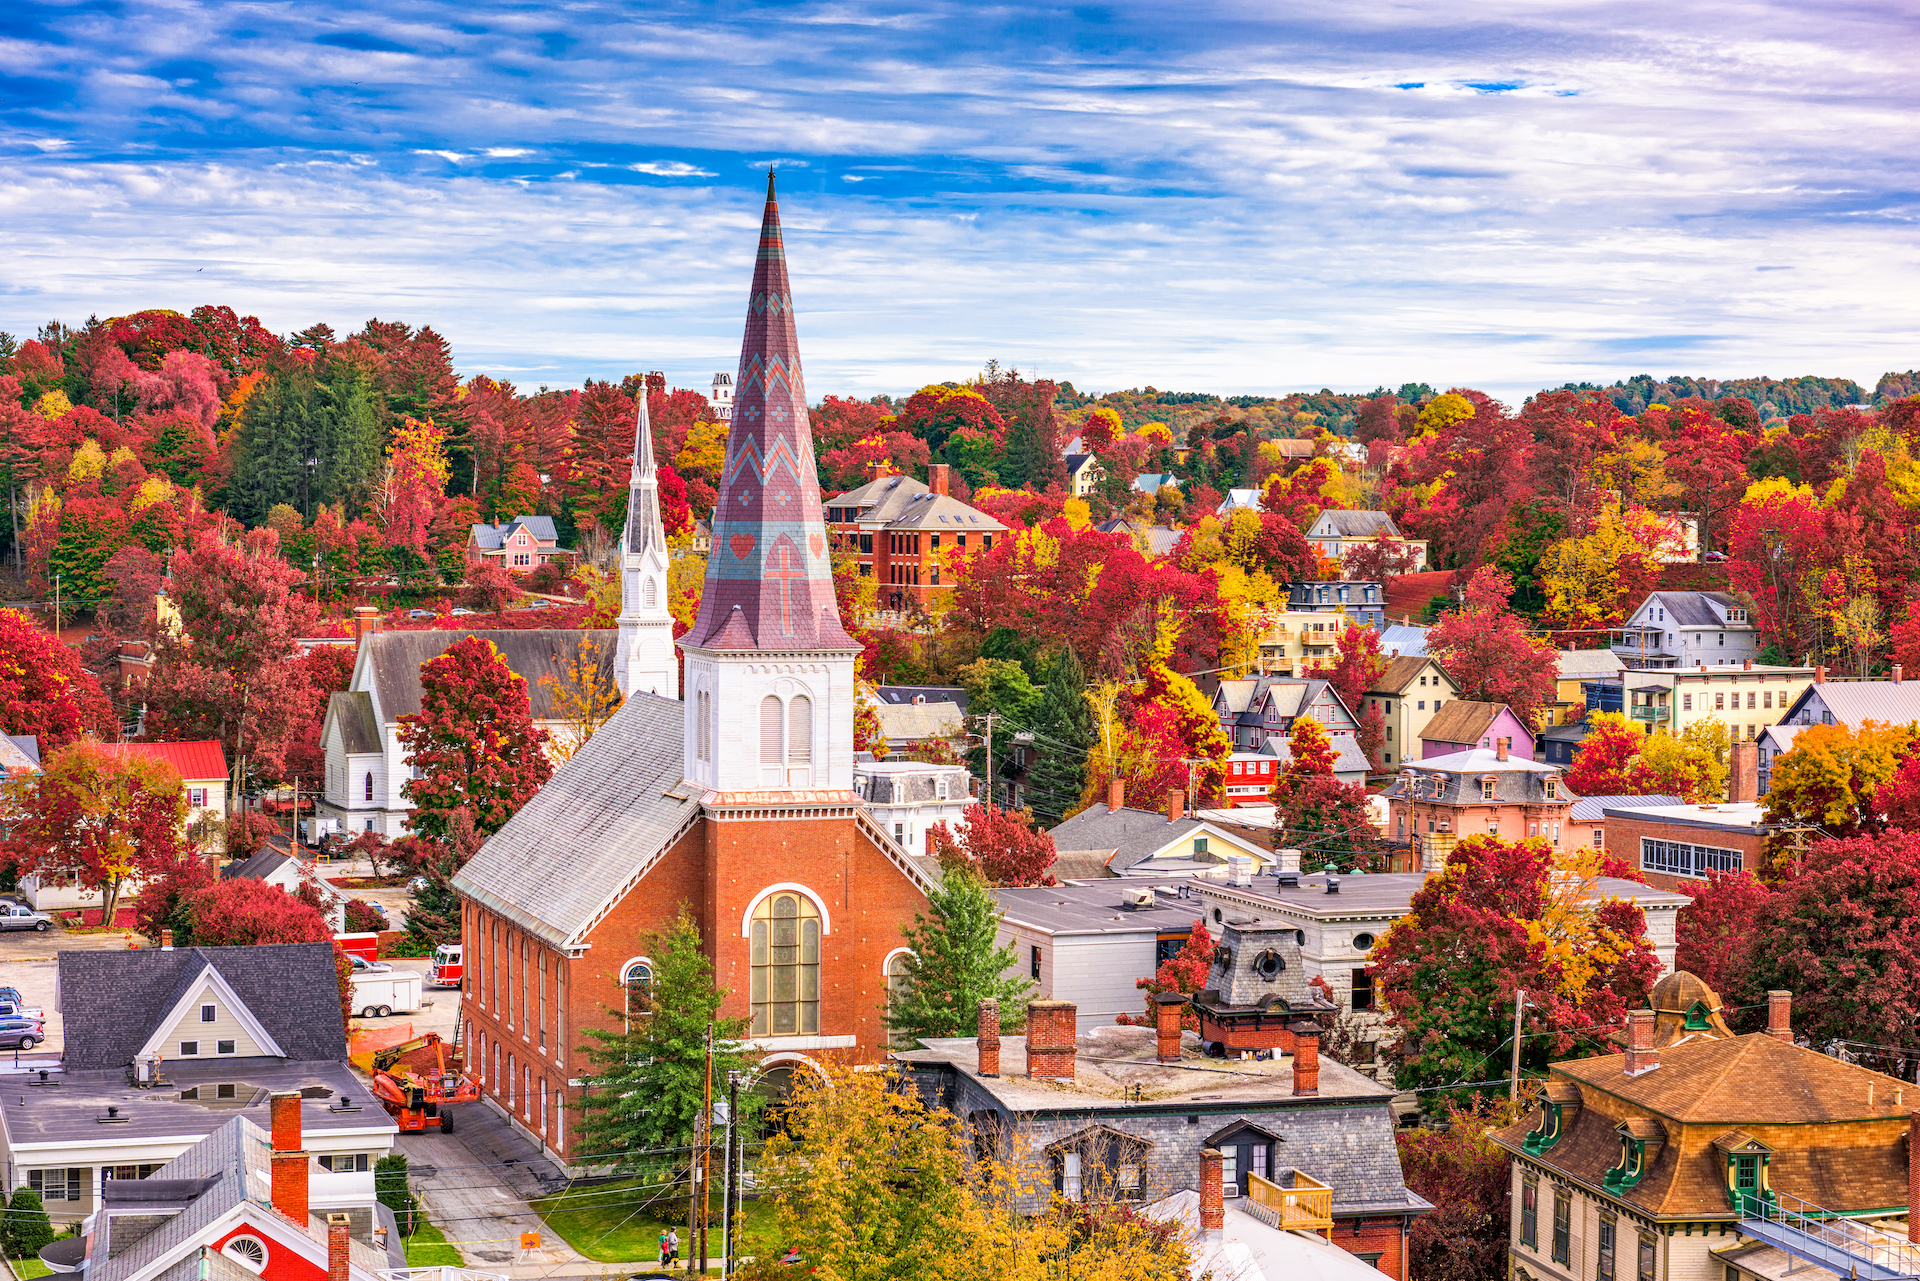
1678,858
1606,1261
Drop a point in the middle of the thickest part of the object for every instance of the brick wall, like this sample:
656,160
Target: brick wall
526,1052
1623,836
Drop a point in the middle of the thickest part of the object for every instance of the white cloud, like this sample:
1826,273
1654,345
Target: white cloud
672,169
454,156
507,153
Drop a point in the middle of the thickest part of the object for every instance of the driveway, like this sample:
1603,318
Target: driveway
475,1184
441,1016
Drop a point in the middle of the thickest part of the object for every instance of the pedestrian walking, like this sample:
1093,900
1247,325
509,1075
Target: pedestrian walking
663,1248
673,1247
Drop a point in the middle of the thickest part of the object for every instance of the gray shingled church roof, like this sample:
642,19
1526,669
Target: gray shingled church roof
352,710
111,1002
397,657
602,818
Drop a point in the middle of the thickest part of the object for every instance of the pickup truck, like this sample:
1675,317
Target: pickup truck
18,916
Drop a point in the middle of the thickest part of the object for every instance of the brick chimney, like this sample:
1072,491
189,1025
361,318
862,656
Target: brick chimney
1641,1056
988,1042
1780,1016
1743,773
1913,1178
1819,676
339,1245
1176,804
1306,1058
1116,795
1167,1009
290,1161
1051,1029
366,621
937,477
1213,1202
1500,748
166,940
1747,665
1897,673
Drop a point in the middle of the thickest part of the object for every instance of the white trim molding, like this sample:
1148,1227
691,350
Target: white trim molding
746,917
886,962
242,1015
775,1043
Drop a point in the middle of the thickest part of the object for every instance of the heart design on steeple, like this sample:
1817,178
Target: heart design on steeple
818,544
742,545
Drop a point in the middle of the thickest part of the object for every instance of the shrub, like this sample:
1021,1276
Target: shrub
28,1227
364,918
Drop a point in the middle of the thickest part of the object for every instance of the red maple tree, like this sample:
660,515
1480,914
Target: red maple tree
98,817
473,743
1485,647
1715,936
1001,845
43,690
1184,972
1604,764
242,912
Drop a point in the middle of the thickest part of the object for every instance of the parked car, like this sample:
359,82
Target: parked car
421,613
24,1037
541,604
18,916
15,1012
462,612
361,965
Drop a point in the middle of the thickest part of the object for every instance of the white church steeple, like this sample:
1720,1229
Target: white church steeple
644,662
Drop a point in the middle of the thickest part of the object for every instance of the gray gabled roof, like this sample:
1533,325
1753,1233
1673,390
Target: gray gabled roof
1354,524
221,1166
111,1002
1851,702
894,486
352,710
600,821
1132,834
396,658
540,527
1409,639
264,862
1690,609
940,512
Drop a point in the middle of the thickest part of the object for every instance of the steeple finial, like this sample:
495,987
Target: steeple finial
644,661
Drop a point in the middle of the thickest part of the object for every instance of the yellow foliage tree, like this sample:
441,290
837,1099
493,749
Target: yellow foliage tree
1593,581
872,1184
1828,777
1578,945
705,450
603,594
583,696
1443,412
53,405
89,462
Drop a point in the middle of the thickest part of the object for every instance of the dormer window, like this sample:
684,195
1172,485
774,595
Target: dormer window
1553,789
1486,789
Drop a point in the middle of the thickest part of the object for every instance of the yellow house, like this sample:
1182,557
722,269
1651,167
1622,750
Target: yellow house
1408,693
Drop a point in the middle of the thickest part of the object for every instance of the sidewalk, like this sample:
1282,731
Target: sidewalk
475,1184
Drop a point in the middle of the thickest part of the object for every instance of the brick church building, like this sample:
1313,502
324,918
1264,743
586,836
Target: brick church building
733,798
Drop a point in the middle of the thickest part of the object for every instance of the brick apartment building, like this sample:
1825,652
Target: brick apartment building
1675,846
911,537
733,801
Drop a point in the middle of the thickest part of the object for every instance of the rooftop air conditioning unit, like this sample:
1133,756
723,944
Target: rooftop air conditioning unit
1133,899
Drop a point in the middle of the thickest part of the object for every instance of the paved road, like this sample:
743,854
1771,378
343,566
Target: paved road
476,1183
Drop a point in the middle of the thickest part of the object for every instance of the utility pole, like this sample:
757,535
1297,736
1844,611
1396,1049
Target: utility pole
730,1198
1513,1078
989,716
1190,762
706,1151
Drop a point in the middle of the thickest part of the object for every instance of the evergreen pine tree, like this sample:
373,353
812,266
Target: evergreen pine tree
1063,735
953,964
28,1228
1033,438
390,1188
648,1082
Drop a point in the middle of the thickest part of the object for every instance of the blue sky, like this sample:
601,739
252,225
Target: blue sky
1242,198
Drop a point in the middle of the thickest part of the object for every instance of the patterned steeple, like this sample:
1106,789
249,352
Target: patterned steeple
644,661
769,577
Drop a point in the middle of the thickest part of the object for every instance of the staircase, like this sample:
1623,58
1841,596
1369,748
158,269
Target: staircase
1846,1247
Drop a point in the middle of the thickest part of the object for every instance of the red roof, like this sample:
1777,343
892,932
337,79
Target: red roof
205,759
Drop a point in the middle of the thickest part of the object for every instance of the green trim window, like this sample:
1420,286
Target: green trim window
1547,1133
1530,1212
1746,1173
1562,1226
1646,1257
1603,1269
1698,1017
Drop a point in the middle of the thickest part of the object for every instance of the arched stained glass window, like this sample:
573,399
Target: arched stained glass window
786,966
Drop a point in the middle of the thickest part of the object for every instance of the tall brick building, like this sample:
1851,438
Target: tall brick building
735,801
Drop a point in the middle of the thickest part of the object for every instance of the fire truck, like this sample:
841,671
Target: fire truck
446,968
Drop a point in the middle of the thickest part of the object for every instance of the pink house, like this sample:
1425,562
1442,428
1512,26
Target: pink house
1462,726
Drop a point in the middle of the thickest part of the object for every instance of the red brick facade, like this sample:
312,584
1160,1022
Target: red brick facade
1623,837
525,1002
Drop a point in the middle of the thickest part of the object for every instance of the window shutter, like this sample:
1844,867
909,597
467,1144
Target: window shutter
800,731
770,730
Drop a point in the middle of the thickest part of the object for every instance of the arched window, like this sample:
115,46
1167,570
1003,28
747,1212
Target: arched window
897,993
636,984
648,593
369,784
786,966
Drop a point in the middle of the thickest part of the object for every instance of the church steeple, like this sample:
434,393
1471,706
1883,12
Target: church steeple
769,577
644,662
769,666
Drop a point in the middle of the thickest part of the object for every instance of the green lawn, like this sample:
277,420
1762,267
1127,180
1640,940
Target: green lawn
28,1269
603,1223
428,1248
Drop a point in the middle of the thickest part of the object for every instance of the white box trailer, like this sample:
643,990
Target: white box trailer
378,993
